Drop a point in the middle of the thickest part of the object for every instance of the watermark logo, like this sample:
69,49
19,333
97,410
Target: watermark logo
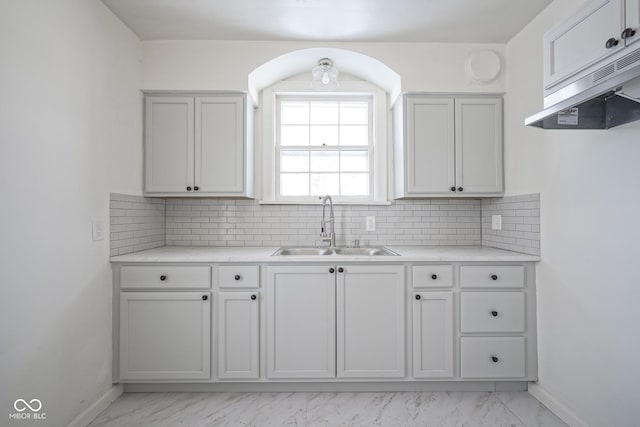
30,410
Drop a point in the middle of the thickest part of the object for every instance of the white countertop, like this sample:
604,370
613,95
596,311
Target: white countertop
263,254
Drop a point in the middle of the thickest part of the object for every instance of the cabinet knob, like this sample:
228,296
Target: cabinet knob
340,270
494,313
627,33
237,277
460,188
495,359
453,188
612,42
163,277
434,276
253,297
189,188
205,297
494,277
418,297
331,270
196,188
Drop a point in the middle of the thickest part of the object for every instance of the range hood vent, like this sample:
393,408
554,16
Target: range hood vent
608,97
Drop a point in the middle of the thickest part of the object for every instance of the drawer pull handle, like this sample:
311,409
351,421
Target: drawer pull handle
418,297
494,277
331,270
253,297
163,277
495,359
494,313
434,276
237,277
340,270
205,297
628,32
612,42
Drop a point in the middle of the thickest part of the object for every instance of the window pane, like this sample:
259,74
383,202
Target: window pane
354,184
354,161
354,135
324,113
325,161
294,161
324,183
354,113
294,184
296,113
324,135
294,135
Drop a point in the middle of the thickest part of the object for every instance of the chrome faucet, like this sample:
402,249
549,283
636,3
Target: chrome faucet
331,235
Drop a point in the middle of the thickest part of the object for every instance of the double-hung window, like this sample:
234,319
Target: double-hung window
324,146
318,143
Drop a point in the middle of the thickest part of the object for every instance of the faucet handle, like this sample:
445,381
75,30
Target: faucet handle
356,243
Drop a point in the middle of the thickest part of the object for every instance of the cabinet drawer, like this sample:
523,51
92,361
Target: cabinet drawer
492,311
238,276
165,276
432,276
492,357
490,276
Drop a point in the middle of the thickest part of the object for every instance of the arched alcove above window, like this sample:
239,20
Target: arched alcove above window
346,61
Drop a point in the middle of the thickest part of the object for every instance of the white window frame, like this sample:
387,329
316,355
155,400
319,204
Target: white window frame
378,163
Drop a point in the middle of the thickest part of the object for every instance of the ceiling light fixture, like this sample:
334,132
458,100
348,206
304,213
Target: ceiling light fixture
324,76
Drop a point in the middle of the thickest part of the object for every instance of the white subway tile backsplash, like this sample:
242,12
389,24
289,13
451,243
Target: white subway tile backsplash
137,223
520,223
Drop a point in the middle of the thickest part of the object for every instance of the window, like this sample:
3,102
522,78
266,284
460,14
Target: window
317,143
323,146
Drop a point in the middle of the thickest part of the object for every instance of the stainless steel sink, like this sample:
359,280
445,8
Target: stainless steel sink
375,251
305,251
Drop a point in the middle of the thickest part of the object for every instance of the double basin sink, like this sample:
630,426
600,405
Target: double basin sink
303,251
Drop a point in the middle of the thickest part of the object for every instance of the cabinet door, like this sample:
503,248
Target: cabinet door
370,321
165,335
432,335
429,159
168,144
479,145
219,144
580,41
632,9
301,322
238,335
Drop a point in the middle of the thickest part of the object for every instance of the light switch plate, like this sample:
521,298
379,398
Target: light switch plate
370,223
97,230
496,222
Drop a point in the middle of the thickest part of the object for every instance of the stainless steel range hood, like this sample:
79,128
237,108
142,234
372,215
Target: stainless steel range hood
606,98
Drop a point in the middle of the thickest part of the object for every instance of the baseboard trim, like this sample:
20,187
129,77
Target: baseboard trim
555,406
89,414
323,387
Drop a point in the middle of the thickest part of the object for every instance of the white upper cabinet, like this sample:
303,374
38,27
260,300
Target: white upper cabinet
448,146
575,47
199,146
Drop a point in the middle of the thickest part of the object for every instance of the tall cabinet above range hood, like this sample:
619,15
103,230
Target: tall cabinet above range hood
592,68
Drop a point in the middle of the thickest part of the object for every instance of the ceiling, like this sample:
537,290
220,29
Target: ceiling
454,21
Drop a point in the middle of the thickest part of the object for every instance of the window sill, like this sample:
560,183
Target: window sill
317,202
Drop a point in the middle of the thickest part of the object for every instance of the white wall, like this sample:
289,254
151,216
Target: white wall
70,132
224,65
588,280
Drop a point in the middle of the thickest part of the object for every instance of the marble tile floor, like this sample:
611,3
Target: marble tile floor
399,409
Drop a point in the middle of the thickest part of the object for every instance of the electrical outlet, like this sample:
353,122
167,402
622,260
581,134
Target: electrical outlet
496,222
97,230
370,223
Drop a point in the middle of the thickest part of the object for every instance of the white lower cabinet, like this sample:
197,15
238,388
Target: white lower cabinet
165,335
238,335
370,321
301,324
433,335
